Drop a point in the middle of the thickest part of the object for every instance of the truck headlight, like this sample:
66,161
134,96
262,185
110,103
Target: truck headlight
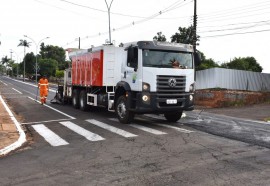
146,87
145,98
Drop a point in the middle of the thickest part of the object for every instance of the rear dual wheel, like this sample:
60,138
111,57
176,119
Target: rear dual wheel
79,99
83,100
75,98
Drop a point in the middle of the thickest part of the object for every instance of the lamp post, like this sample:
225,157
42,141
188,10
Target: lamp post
17,61
36,49
109,9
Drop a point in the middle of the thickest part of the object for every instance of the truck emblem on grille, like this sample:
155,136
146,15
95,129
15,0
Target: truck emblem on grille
172,82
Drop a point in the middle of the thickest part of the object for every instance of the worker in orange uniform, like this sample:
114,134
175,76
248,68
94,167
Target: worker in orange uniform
43,86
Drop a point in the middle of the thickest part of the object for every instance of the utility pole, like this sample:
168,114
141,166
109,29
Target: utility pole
195,25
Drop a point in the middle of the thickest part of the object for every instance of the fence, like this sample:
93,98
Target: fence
232,79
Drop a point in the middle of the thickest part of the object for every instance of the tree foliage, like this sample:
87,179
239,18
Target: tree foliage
245,63
5,60
160,37
47,67
30,64
59,74
206,63
24,43
54,52
185,35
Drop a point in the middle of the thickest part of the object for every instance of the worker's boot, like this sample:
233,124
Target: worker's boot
45,100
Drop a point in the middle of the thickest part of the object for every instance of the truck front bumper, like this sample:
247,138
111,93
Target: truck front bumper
146,102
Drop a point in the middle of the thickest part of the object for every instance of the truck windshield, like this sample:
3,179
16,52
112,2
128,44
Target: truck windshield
167,59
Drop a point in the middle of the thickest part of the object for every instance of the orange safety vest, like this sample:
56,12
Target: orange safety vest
43,84
43,89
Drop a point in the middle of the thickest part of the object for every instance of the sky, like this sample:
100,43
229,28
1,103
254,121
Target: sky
227,28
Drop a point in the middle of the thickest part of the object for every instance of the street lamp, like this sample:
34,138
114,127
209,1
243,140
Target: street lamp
109,9
17,60
36,49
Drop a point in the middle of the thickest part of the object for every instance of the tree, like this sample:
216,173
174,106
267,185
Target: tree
24,43
54,52
30,61
7,65
47,67
160,37
185,35
59,74
246,63
206,63
4,60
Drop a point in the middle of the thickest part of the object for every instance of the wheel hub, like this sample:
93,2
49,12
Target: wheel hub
121,109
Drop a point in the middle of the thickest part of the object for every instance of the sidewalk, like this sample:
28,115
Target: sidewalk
11,134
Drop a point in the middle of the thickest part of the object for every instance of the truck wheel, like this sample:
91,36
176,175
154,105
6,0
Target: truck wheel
173,117
124,116
83,100
75,98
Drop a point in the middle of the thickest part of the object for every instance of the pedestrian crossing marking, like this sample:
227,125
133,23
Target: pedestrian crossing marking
79,130
163,125
52,138
173,127
147,129
111,128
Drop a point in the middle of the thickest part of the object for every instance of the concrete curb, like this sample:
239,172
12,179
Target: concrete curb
22,137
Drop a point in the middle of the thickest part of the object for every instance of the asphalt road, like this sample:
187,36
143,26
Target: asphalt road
93,148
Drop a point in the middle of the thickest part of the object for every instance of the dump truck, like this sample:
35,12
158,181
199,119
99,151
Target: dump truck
139,77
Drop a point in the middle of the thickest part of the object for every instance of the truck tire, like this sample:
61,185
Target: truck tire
75,98
173,116
124,116
83,100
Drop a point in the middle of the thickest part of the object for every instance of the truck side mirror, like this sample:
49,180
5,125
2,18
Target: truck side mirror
197,58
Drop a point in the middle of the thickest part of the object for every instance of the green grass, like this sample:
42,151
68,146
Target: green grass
267,119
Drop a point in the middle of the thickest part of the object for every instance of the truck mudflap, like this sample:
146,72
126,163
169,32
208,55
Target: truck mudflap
157,104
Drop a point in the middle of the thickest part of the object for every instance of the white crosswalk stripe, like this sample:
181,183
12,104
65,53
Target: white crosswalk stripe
175,128
111,128
52,138
147,129
79,130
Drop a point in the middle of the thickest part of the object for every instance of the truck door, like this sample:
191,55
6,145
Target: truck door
131,68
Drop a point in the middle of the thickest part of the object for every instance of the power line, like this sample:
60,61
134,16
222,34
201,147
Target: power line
241,23
237,33
167,9
171,7
237,28
228,11
235,13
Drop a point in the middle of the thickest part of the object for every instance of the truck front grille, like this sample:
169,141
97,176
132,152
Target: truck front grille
171,87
